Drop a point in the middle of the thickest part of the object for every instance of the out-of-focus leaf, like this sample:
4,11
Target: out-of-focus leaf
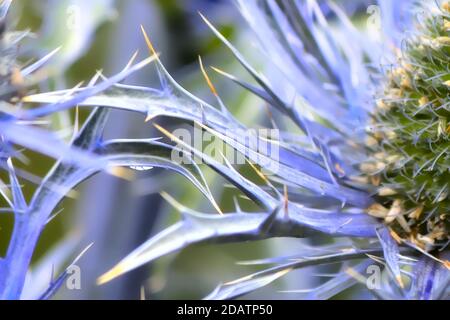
38,64
71,24
304,252
391,253
4,7
39,277
48,144
430,280
343,281
56,284
250,283
243,286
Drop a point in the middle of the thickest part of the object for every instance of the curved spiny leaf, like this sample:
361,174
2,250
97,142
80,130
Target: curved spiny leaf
250,283
240,227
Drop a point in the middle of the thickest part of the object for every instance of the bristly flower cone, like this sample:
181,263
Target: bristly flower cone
410,138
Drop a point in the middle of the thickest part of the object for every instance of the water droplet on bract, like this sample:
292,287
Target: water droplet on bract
141,168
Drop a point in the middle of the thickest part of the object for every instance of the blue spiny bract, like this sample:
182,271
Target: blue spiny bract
315,190
411,137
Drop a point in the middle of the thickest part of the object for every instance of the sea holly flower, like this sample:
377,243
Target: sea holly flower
370,169
410,133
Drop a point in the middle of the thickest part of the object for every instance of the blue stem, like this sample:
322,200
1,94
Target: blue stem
14,270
